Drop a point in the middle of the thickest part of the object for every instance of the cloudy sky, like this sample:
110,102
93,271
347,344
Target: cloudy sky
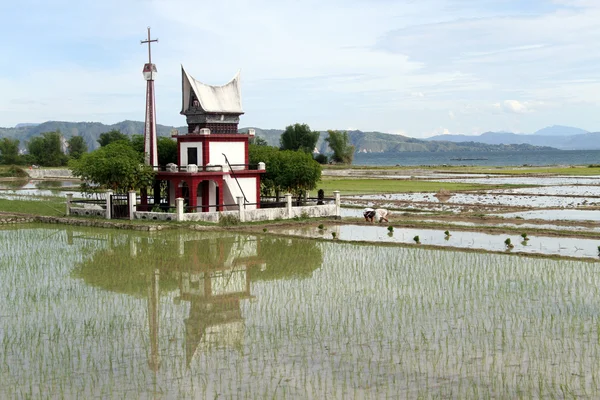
414,67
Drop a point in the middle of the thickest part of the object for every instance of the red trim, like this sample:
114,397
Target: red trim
258,191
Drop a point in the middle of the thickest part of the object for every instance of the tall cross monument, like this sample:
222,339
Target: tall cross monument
150,152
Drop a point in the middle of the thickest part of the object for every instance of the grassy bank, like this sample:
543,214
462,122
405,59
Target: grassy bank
50,206
367,186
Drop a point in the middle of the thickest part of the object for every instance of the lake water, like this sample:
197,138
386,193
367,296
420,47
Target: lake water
99,313
555,157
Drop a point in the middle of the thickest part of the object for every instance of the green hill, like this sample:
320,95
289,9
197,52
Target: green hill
372,142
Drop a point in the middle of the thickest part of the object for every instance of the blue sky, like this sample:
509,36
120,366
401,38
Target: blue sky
417,68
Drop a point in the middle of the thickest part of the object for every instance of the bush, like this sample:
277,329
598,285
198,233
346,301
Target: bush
321,158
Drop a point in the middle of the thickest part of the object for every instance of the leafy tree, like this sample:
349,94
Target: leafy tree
116,166
111,136
9,151
299,172
77,147
167,150
298,137
47,150
165,146
339,143
292,171
321,158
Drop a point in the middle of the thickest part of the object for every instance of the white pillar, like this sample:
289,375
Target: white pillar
108,204
240,203
132,197
179,205
288,200
69,200
337,203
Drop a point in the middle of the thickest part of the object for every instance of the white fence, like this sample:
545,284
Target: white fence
243,215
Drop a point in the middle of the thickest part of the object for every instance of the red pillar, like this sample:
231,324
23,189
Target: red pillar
194,195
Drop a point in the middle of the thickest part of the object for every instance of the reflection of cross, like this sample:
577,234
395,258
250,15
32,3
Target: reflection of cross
149,41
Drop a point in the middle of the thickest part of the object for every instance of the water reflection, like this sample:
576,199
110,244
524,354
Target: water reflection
212,273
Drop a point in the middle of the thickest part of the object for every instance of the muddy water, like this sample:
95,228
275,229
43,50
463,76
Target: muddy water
568,247
108,314
556,215
485,199
29,189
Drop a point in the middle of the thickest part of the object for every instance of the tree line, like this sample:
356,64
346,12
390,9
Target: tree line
45,150
118,163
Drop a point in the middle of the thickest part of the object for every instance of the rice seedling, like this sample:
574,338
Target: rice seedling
447,233
508,244
417,240
390,229
524,236
321,227
265,229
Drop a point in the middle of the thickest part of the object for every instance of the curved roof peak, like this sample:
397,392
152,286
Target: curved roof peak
225,99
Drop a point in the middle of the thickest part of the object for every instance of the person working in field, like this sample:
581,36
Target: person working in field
380,213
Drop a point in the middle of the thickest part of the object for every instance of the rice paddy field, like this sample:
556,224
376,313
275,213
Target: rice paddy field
97,313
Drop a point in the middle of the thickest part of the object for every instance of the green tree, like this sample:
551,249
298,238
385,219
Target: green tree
339,143
111,136
47,150
292,171
299,172
77,147
116,166
298,137
165,146
9,151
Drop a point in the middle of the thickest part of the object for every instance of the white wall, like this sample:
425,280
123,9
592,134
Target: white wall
212,195
235,152
232,190
183,146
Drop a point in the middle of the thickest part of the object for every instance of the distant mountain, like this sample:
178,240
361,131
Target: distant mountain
367,142
25,124
559,130
569,140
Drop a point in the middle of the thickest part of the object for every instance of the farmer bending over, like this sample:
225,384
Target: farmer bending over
369,214
380,213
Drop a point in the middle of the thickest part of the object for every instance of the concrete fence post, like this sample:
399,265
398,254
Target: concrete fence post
338,203
240,203
69,200
288,201
179,205
109,194
132,202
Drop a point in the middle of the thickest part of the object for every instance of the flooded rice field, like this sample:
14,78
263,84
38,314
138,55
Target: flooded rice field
110,314
32,189
556,215
535,244
483,199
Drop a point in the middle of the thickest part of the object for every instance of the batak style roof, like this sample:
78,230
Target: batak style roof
225,99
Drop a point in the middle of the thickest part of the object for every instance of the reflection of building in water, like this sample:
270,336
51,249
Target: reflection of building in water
214,283
212,272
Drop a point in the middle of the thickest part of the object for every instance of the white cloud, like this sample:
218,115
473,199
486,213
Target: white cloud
514,106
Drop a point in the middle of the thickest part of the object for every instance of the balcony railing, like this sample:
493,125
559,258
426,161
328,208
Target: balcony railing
204,168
